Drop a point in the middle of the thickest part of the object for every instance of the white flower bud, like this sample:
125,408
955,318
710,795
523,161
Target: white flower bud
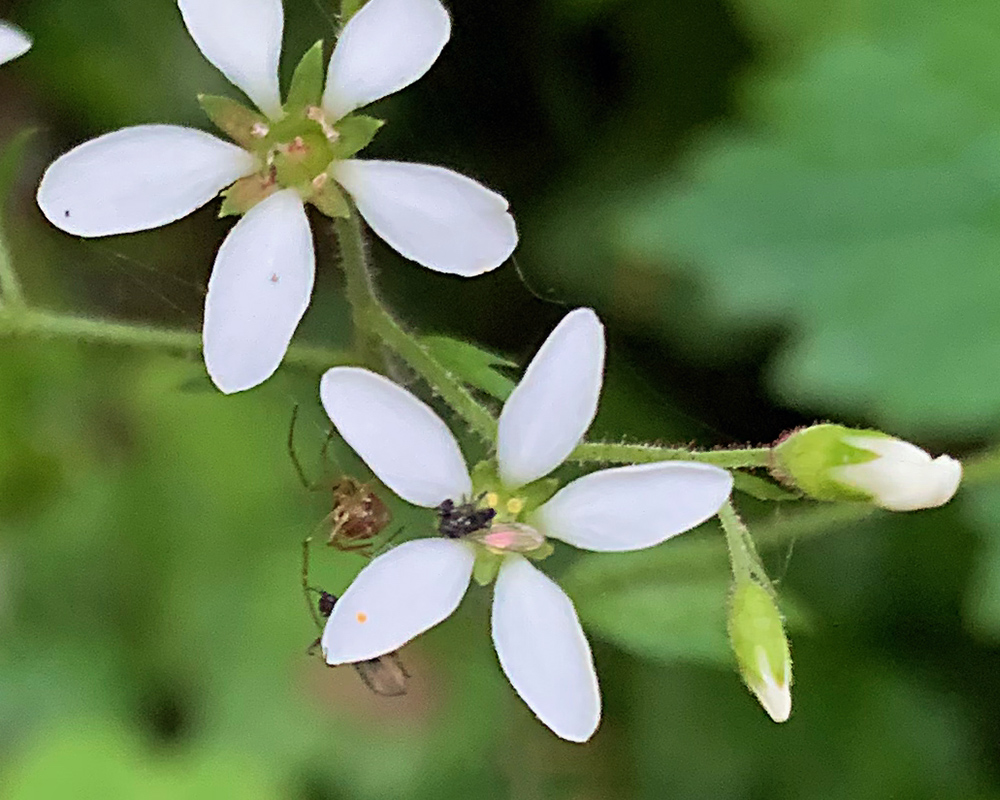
831,462
761,648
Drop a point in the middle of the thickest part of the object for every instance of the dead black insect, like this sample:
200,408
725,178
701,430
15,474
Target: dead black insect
358,514
385,675
458,521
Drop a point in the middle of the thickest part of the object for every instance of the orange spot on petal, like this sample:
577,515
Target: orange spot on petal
362,616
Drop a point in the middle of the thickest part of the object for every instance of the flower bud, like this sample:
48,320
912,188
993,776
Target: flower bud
758,639
831,462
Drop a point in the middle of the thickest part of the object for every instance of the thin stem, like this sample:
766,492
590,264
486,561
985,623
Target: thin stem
10,284
360,288
611,453
48,324
739,559
441,380
374,324
306,588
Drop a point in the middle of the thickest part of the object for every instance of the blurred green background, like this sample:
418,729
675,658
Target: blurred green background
784,210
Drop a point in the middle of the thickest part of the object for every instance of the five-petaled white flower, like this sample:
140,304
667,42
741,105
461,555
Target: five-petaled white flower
13,42
539,641
147,176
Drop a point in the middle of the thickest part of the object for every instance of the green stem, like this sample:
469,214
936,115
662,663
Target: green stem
10,284
374,324
48,324
739,558
648,454
359,287
441,380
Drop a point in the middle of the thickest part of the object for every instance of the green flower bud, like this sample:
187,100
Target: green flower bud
757,635
831,462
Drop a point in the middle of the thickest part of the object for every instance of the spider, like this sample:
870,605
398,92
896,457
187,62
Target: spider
385,675
358,514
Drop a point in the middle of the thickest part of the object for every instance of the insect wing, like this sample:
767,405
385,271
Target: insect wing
385,675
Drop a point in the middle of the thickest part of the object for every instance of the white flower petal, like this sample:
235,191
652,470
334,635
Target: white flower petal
547,414
387,45
242,38
260,288
543,650
13,42
630,508
397,596
438,218
903,477
138,178
401,440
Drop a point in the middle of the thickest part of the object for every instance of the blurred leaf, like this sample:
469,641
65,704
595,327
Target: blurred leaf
95,760
858,210
475,366
982,600
666,603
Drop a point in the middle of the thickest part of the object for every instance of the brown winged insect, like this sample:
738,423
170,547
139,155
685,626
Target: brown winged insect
358,514
384,675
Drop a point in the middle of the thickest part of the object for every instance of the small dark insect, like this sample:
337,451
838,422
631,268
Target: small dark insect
66,213
385,675
358,514
458,521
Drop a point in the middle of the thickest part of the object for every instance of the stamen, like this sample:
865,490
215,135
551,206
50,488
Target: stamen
515,505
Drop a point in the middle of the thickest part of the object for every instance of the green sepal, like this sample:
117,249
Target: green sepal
540,553
307,81
234,119
245,193
329,200
484,478
355,133
475,366
348,8
755,622
486,566
805,458
537,493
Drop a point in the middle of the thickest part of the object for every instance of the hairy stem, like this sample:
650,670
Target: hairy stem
611,453
49,324
374,324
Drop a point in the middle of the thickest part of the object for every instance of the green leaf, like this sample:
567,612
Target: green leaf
856,210
475,366
356,132
234,119
307,81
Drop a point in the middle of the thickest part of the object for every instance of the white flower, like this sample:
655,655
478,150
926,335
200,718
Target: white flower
13,42
147,176
539,641
900,476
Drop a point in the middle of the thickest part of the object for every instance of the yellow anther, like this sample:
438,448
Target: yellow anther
492,499
515,505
